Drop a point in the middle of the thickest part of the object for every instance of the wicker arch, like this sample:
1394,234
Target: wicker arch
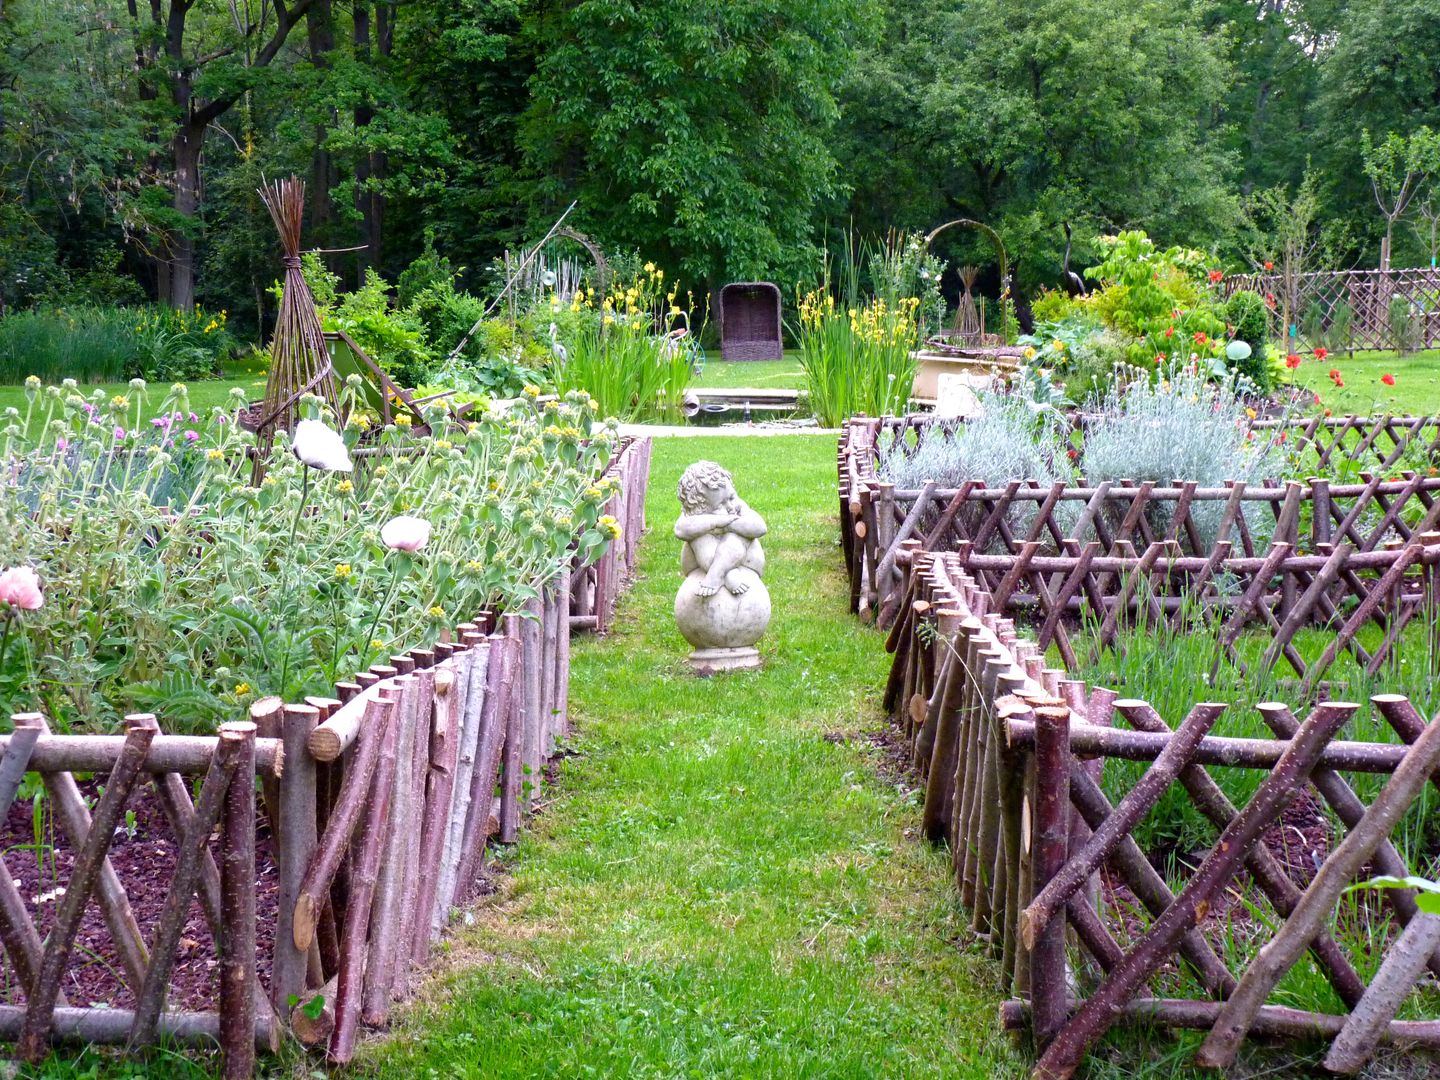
602,267
988,231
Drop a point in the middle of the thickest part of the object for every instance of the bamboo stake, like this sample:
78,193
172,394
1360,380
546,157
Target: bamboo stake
1281,952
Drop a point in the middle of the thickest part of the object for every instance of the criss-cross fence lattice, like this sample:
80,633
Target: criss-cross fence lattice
1351,309
1384,502
1087,932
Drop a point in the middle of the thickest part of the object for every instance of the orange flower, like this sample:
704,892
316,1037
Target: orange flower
1388,379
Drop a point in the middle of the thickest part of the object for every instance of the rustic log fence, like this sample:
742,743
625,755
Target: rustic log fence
1010,753
1350,309
380,802
1384,505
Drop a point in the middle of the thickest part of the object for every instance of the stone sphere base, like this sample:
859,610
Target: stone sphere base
714,661
722,628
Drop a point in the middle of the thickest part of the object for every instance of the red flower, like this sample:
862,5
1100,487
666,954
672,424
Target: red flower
1339,384
1292,361
1169,331
1270,300
1217,276
1321,352
1387,379
1327,414
1317,399
1249,436
1200,337
1269,265
1283,436
1072,453
1334,374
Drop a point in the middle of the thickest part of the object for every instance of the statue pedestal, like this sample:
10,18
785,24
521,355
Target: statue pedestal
714,661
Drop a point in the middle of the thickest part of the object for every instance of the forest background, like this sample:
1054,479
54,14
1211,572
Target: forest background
726,139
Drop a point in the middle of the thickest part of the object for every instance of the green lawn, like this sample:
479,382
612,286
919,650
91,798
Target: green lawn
762,374
1416,389
724,883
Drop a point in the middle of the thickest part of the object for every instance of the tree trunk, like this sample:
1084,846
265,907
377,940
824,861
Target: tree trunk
186,149
321,28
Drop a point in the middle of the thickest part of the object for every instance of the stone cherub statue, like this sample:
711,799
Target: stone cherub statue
722,607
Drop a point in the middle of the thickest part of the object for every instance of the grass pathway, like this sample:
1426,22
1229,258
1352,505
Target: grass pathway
716,888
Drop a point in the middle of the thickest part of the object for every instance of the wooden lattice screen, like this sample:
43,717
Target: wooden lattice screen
1351,309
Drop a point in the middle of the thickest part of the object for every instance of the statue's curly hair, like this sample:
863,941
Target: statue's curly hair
699,478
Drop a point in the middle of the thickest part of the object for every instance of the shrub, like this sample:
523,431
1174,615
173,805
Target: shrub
1055,305
1181,427
1404,326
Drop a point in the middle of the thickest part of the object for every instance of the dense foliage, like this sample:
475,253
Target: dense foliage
170,582
727,141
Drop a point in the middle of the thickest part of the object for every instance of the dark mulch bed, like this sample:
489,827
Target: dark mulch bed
144,859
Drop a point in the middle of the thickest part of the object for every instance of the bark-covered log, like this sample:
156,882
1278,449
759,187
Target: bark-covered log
295,840
238,980
370,846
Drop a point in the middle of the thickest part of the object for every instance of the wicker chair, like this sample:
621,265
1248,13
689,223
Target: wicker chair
750,321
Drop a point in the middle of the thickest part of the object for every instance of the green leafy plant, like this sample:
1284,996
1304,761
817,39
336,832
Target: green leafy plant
169,579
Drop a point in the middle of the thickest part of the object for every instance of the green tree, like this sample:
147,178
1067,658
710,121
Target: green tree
1398,169
1050,120
697,130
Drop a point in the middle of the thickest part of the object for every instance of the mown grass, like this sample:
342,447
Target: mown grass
247,373
1416,389
721,884
762,374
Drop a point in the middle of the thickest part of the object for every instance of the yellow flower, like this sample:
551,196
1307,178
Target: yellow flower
531,391
609,527
1251,413
649,267
674,311
343,571
437,612
376,643
1030,354
1058,345
241,689
344,487
214,455
403,419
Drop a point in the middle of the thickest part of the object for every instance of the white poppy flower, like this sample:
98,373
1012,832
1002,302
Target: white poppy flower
320,447
405,533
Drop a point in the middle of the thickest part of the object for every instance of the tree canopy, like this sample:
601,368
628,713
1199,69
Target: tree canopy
723,138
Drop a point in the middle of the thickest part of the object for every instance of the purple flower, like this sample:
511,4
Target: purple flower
158,422
193,418
119,434
192,436
62,445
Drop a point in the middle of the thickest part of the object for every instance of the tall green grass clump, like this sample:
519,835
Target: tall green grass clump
615,354
98,343
87,344
856,345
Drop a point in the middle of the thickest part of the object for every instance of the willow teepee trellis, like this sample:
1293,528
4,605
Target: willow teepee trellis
299,358
967,318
